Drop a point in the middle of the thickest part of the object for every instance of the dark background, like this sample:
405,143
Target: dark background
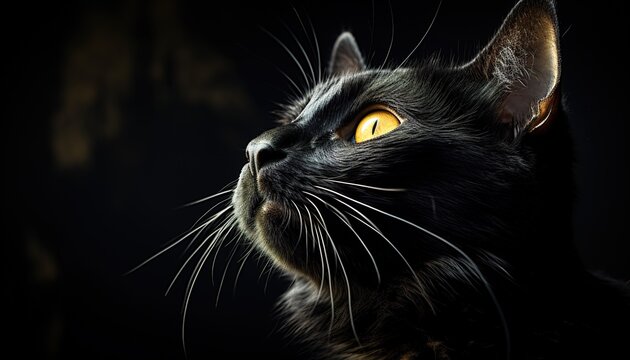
120,111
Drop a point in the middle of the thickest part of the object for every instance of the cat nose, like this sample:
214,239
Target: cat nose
261,153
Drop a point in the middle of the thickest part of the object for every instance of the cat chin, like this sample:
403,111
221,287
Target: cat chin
255,212
263,221
274,236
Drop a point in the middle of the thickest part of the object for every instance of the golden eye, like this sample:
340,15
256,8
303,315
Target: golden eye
374,124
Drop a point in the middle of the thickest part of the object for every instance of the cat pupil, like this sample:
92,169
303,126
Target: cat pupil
374,126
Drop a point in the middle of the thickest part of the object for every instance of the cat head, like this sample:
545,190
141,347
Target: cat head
379,170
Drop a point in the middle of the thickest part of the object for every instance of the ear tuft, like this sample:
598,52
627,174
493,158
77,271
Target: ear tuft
524,58
346,57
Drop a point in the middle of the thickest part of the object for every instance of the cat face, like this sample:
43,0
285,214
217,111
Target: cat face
376,172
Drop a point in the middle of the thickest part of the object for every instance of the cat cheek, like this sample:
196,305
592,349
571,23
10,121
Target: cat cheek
271,210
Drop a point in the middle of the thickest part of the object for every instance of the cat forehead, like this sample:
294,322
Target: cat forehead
344,93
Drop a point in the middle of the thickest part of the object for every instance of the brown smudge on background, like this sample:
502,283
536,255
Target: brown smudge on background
43,276
96,80
99,71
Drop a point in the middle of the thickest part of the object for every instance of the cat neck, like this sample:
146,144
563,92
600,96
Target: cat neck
439,315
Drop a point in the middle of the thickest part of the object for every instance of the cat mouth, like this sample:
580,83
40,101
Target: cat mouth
257,213
265,220
283,228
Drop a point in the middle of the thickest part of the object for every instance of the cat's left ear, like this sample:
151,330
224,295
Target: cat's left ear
346,57
524,58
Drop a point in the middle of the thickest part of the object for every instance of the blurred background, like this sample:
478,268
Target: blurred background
118,112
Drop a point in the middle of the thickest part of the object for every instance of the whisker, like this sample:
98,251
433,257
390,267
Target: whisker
195,275
267,280
437,10
242,260
300,44
367,219
566,31
267,269
300,92
188,293
227,266
321,282
421,287
345,220
391,40
472,264
181,269
322,248
219,239
310,220
309,227
370,224
206,198
202,230
287,220
308,61
267,263
331,294
367,186
175,243
302,229
343,270
223,232
373,24
319,59
290,54
300,218
208,211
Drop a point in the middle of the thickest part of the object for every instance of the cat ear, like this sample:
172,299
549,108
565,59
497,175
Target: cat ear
524,58
346,57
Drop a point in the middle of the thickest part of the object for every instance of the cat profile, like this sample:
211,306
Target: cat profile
424,211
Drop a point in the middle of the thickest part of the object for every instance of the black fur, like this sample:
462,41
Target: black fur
502,193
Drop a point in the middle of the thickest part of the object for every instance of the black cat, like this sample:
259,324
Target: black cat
424,211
